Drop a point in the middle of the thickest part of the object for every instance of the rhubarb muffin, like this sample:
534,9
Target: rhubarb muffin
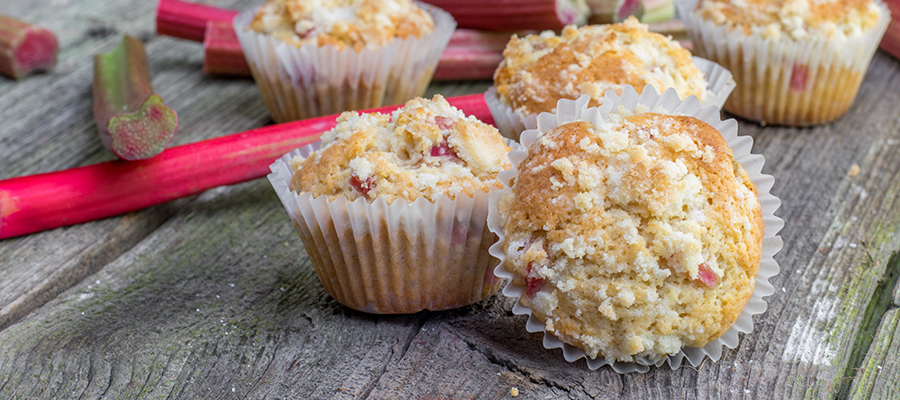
538,70
796,62
392,208
319,57
632,236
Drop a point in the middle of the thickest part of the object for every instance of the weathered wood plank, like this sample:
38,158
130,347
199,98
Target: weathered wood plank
48,125
877,374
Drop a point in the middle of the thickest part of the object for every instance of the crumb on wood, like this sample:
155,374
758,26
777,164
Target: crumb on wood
514,392
854,170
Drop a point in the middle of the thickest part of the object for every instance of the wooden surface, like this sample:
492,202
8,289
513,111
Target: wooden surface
213,296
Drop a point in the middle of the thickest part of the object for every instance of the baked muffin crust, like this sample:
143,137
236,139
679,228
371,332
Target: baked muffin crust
427,149
356,24
538,70
796,19
637,237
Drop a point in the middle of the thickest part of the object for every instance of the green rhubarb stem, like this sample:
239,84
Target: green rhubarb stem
132,119
25,48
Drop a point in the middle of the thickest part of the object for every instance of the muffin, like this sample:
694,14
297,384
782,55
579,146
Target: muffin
392,208
313,58
633,233
796,62
538,70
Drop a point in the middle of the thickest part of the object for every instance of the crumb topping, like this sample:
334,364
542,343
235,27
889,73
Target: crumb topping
796,19
538,70
356,24
427,149
648,239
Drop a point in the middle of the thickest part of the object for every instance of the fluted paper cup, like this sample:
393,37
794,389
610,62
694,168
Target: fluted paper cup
312,80
393,258
569,111
783,81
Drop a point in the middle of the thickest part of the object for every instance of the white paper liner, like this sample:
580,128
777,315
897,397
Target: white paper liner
511,123
398,258
310,81
829,72
568,111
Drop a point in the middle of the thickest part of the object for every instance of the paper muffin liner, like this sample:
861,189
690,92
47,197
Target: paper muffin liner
310,81
393,258
568,111
512,123
784,81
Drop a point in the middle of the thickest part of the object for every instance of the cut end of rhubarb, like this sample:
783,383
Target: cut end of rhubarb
34,51
145,133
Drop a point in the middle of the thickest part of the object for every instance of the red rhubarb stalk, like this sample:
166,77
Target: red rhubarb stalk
38,202
25,48
222,53
132,119
186,20
514,15
460,63
473,38
891,40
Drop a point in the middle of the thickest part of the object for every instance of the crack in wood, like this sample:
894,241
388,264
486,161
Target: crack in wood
512,367
265,370
879,304
417,327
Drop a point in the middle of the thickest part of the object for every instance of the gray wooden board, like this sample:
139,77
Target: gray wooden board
213,297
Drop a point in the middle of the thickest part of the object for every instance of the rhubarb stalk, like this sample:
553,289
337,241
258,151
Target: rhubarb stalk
222,53
609,11
514,15
465,63
657,11
891,40
34,203
188,20
25,48
132,119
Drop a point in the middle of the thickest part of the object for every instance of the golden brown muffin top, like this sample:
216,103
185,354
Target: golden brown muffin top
357,24
538,70
637,237
427,149
798,19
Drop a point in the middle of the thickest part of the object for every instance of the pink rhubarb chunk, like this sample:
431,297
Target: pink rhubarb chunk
444,150
533,284
799,77
707,275
362,186
444,122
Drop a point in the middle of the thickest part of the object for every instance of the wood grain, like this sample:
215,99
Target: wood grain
213,296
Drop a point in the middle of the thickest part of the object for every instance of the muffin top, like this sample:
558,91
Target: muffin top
636,237
798,19
538,70
427,149
356,24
